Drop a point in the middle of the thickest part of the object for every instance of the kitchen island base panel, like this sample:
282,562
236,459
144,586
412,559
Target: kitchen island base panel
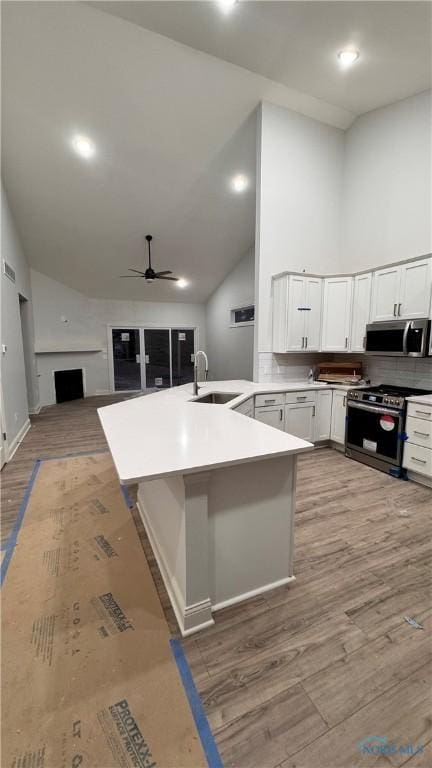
221,537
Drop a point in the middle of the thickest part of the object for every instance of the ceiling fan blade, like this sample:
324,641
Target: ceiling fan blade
134,276
161,277
136,270
165,272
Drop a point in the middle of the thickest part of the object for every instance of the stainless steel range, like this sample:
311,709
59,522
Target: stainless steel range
375,426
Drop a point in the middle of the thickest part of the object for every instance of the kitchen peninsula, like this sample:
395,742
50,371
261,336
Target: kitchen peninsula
216,492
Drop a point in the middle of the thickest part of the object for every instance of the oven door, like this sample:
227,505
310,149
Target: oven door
374,430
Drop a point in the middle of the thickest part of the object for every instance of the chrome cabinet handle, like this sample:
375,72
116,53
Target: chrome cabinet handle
394,310
270,401
346,342
306,342
424,413
364,342
281,414
303,342
344,401
399,309
313,412
423,434
303,397
420,461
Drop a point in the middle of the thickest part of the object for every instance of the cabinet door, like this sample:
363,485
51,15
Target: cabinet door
360,311
272,415
386,285
296,314
336,314
415,289
279,313
313,305
299,420
323,414
338,417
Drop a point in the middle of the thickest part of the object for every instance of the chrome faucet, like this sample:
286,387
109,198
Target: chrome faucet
200,352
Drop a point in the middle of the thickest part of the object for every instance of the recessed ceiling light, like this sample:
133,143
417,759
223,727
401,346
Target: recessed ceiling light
83,146
348,57
226,6
239,183
182,283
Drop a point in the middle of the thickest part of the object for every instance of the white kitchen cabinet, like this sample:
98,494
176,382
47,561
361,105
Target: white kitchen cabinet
297,303
415,289
300,420
273,415
338,417
247,408
336,314
386,284
323,414
360,311
402,291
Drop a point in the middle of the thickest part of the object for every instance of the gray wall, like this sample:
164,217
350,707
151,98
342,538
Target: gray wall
16,398
65,319
387,205
230,350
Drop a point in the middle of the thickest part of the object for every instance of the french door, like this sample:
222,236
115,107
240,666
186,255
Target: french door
151,357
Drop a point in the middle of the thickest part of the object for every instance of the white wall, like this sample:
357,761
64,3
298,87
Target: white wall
16,399
387,204
299,188
230,350
87,321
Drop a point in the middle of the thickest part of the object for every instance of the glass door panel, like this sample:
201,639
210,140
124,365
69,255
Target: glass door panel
157,357
126,359
182,356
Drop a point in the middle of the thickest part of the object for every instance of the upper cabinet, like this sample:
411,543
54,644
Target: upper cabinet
297,302
402,291
336,314
361,307
330,314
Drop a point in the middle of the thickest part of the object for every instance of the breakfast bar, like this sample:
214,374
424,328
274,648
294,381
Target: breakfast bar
216,493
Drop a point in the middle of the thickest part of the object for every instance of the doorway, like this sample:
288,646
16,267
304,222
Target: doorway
147,358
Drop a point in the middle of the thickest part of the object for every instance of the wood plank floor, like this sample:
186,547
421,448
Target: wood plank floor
298,677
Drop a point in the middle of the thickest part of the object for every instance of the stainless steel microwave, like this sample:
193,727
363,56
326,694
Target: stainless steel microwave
398,338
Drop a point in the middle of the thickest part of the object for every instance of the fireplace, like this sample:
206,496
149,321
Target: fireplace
69,385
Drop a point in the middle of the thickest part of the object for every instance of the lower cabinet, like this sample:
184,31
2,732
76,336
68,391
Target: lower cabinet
273,415
247,408
338,417
300,420
323,415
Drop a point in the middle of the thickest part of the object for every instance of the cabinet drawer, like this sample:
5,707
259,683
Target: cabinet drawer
419,432
246,408
420,411
275,398
418,459
304,396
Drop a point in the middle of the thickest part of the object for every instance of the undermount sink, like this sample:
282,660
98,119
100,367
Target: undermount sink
217,398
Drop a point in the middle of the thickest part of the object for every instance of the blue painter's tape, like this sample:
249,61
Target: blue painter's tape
11,541
127,497
201,722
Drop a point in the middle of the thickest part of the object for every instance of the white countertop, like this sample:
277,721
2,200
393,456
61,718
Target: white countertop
424,399
165,434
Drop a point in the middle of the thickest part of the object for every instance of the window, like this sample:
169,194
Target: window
243,315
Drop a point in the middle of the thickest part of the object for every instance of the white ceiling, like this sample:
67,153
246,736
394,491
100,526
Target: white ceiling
171,126
295,43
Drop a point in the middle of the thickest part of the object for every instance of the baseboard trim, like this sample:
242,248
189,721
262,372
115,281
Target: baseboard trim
35,410
416,477
13,447
253,593
190,618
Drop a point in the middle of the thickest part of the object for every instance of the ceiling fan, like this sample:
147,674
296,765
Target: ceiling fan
150,275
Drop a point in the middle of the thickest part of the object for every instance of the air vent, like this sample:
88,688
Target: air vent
8,271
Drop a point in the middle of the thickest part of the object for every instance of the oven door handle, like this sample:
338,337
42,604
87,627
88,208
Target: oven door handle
405,337
374,409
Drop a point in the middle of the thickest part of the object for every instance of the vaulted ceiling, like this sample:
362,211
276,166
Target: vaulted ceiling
171,125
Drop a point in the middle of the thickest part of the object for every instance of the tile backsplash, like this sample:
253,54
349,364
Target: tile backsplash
401,371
